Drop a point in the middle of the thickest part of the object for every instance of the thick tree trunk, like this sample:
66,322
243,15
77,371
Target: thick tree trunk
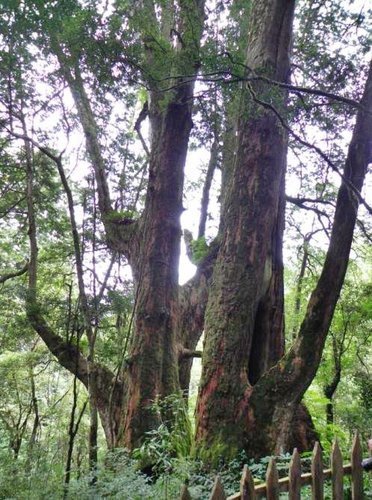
232,413
245,309
268,334
152,243
153,365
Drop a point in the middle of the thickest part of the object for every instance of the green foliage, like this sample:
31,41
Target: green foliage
119,215
172,439
34,415
316,403
19,480
118,479
199,249
363,381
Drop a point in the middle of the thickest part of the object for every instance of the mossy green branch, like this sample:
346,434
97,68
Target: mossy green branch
199,249
121,216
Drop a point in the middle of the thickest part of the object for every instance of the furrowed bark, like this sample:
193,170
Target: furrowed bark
268,334
153,369
153,361
248,266
273,398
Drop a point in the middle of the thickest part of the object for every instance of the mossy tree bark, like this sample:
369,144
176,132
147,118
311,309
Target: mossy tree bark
242,402
247,279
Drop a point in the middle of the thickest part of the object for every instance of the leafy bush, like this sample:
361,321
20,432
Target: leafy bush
117,478
172,439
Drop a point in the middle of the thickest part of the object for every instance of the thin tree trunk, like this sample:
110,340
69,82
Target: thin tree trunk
72,431
300,279
36,424
71,439
329,390
212,164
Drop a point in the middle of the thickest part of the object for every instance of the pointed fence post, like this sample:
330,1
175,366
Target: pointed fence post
218,493
317,473
247,485
185,495
356,469
337,472
294,488
272,481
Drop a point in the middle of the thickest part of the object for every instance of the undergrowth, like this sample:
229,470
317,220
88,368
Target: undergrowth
157,470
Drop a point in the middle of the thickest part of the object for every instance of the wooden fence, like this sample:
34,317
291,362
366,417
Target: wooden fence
296,479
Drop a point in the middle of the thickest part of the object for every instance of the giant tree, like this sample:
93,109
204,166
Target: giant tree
250,387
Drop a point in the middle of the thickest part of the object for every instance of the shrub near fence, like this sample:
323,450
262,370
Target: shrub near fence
296,480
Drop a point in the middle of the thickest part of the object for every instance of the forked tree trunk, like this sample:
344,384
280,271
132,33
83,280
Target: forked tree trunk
232,411
152,243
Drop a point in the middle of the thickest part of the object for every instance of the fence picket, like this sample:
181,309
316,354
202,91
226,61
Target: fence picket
337,472
218,493
185,495
247,485
272,481
317,473
294,474
295,480
356,469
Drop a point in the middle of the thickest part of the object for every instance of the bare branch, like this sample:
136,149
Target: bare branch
137,126
329,162
364,230
300,201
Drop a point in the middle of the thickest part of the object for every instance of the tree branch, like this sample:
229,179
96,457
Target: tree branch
347,183
301,201
185,353
227,76
14,274
137,126
294,373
